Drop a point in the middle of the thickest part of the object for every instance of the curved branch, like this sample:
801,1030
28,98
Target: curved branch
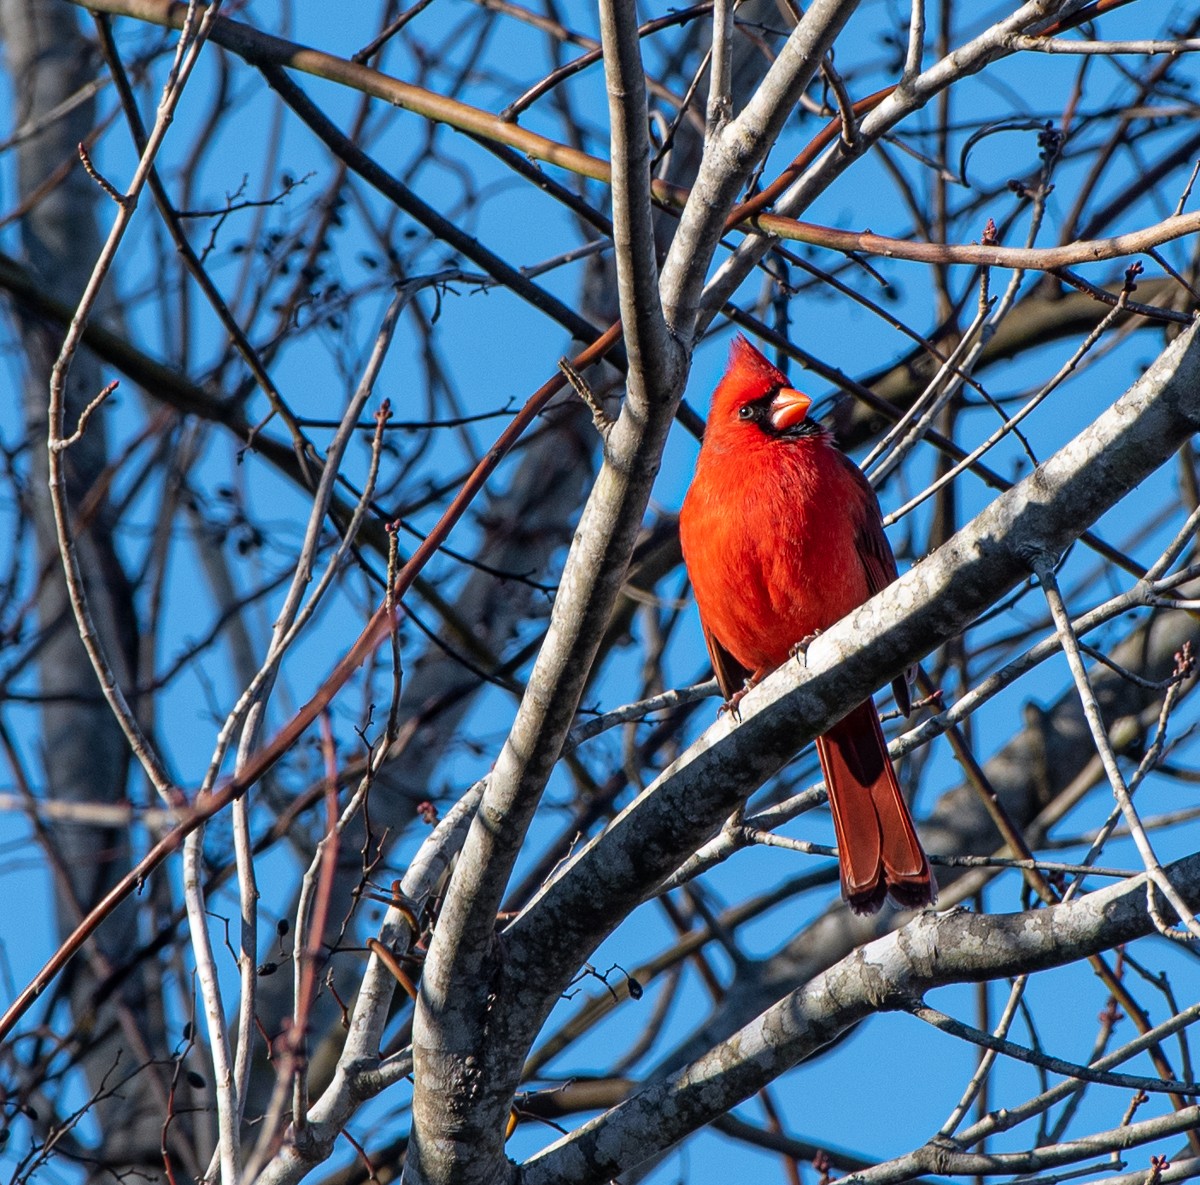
1044,259
963,62
932,951
740,147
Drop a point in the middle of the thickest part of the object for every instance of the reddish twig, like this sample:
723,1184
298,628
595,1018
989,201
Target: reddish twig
377,628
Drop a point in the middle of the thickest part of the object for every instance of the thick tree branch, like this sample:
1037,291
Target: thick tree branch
903,101
732,154
932,951
654,358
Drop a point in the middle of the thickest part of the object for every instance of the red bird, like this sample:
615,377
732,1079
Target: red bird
782,536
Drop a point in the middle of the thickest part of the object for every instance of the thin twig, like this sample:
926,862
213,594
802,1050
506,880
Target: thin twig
1009,424
637,711
84,417
956,1028
987,1061
1156,877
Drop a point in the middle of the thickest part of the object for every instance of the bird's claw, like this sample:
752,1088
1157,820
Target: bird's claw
800,650
731,705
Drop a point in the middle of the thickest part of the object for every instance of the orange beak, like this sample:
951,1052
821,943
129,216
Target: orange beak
789,408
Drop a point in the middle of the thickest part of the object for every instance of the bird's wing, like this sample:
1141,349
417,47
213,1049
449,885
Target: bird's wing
731,675
879,564
874,550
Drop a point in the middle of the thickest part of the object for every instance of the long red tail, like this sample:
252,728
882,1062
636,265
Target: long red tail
877,843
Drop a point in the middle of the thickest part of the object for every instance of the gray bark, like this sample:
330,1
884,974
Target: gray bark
1028,774
891,973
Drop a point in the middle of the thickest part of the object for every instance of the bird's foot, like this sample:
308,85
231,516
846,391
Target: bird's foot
800,650
731,704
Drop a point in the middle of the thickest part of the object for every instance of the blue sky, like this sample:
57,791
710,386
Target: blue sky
891,1084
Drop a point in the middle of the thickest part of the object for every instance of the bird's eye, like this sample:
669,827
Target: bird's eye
746,412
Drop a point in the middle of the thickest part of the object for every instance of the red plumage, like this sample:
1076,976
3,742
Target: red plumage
782,536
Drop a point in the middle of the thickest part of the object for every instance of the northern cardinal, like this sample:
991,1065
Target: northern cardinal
782,536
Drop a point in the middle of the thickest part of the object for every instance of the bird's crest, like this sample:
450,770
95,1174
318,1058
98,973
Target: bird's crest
748,376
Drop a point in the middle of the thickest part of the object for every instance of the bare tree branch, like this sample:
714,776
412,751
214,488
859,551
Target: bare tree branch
931,951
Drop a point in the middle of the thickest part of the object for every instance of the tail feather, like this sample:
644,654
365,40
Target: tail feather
877,844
